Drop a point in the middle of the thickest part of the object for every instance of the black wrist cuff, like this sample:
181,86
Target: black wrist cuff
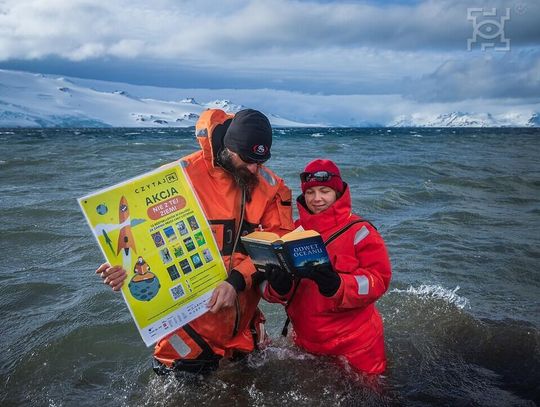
236,279
257,278
331,286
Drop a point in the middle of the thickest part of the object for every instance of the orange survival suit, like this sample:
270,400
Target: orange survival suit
232,330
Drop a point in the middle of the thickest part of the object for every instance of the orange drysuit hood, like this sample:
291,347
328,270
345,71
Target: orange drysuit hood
210,130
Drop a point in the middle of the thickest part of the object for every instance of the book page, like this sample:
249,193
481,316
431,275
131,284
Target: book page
297,235
261,237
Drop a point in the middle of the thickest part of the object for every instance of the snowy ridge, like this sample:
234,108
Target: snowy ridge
36,100
461,119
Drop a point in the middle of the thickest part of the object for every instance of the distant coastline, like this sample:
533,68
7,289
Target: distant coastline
30,100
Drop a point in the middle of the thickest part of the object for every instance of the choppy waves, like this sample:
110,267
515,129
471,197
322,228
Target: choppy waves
458,211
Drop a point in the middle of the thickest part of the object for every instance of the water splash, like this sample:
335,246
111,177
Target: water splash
437,292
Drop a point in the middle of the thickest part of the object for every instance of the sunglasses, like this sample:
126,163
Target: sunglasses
319,176
248,160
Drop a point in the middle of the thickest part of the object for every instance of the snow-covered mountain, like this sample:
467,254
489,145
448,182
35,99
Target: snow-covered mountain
534,120
460,119
36,100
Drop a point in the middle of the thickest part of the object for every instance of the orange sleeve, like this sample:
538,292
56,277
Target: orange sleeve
277,217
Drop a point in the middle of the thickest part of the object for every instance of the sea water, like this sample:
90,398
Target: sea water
459,210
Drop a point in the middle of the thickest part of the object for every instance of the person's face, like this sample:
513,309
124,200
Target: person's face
319,198
245,174
240,164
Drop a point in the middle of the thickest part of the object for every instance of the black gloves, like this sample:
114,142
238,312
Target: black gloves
326,279
236,279
279,279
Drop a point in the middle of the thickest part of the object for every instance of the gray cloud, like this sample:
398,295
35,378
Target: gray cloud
405,47
509,75
80,29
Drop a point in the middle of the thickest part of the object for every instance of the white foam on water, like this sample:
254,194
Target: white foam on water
279,353
438,292
261,358
317,135
256,395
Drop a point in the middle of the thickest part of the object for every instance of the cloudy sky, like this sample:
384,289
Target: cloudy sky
399,56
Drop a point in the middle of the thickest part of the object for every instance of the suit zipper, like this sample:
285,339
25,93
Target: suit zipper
237,238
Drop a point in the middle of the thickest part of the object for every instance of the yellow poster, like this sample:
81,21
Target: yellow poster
155,228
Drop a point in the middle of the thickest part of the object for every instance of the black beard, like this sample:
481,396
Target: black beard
242,176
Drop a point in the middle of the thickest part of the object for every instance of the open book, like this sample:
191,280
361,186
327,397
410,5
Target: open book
295,251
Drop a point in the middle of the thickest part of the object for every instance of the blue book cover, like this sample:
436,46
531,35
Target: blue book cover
294,251
305,253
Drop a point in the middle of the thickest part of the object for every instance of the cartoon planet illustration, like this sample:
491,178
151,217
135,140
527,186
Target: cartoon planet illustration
144,290
102,209
144,285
